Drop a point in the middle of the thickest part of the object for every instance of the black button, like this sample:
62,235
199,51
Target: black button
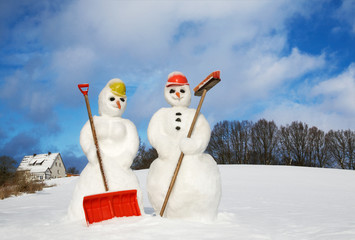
178,120
178,114
177,128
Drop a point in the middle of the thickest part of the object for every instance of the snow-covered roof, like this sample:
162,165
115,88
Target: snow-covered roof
37,163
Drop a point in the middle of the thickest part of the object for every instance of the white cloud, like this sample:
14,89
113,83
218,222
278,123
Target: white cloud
331,104
142,31
346,13
338,93
244,40
286,112
271,72
93,41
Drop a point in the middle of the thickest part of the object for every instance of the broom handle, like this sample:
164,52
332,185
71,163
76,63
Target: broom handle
95,140
182,154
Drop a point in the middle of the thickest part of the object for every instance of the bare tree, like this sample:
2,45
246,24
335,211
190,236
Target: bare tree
318,153
240,139
73,170
7,168
341,146
264,140
293,143
144,157
285,146
220,145
350,140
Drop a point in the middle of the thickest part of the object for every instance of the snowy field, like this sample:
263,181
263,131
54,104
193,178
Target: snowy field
258,202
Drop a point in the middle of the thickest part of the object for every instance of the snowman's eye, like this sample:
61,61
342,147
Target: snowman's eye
182,90
172,90
112,99
122,99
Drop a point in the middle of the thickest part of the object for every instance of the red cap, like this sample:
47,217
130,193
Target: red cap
176,78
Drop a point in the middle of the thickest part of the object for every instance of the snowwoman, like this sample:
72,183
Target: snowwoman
118,141
197,191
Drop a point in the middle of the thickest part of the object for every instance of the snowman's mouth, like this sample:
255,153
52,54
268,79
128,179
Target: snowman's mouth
115,107
175,98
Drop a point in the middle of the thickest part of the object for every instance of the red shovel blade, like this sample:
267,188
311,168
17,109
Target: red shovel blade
105,206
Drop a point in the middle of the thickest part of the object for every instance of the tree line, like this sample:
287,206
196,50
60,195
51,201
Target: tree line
263,142
144,157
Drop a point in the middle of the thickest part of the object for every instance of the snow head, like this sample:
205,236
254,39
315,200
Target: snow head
177,90
112,99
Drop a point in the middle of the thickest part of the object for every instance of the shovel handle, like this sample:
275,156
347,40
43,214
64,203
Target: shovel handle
84,91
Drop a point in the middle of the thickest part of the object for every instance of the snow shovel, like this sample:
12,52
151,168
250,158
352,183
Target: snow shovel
107,205
200,90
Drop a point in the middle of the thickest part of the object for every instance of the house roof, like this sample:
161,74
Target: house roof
37,163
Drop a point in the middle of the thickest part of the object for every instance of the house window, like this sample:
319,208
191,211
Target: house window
60,164
58,171
40,177
39,162
56,164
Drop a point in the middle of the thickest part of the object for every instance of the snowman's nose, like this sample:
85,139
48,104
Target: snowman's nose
177,94
118,104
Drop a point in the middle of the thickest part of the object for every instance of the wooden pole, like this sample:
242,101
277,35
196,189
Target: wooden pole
96,142
172,182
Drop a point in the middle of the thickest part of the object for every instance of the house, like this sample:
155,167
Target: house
43,166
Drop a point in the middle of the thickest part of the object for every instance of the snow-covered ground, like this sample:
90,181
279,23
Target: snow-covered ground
258,202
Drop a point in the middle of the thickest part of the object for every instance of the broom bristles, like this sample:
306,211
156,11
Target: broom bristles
213,76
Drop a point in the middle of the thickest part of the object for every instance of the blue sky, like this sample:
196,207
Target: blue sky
280,60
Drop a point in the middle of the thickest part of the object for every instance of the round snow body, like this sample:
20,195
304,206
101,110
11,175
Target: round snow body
197,191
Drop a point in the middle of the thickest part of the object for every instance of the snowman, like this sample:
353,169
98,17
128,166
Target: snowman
197,190
118,141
